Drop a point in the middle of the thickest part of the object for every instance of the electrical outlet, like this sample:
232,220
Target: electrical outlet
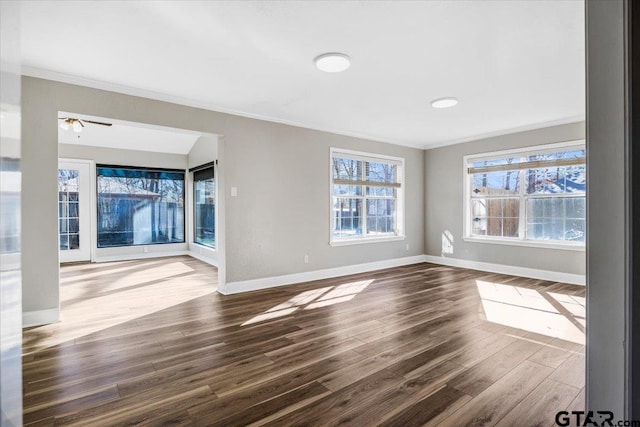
306,259
234,191
145,249
407,248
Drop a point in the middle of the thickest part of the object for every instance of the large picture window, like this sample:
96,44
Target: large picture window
204,205
366,197
533,196
138,206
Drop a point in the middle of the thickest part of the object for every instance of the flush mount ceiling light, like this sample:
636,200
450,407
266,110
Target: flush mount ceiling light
332,62
444,102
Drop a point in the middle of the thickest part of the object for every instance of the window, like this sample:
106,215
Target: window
138,206
68,209
204,207
535,196
10,212
366,197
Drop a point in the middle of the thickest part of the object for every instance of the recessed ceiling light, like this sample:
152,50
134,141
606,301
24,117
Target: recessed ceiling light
444,102
332,62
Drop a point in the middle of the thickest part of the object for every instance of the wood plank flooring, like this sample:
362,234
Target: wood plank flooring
152,343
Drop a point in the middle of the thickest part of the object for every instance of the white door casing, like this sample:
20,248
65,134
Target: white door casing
74,210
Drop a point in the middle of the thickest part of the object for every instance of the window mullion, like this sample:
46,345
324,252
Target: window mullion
564,218
522,221
364,211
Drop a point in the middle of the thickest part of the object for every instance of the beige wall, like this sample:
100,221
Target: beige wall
113,156
281,172
444,203
204,150
282,209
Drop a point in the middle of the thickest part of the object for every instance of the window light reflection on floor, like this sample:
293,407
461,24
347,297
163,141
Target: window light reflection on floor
574,304
312,299
137,290
300,299
552,314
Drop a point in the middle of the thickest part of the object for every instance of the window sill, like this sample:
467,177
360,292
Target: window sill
579,247
360,241
204,247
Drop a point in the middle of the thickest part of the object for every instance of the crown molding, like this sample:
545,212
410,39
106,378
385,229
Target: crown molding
509,131
174,99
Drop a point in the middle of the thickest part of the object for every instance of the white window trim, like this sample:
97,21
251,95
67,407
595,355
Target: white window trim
537,149
579,247
93,201
192,198
400,211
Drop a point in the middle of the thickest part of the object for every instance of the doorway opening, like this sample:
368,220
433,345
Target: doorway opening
128,194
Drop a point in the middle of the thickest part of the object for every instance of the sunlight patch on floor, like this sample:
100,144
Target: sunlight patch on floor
574,304
93,271
153,274
555,315
88,306
312,299
269,315
300,299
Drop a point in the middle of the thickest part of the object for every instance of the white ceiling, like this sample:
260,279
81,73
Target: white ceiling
128,136
513,64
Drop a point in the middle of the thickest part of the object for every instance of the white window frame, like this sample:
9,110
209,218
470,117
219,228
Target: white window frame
400,211
91,216
192,211
516,241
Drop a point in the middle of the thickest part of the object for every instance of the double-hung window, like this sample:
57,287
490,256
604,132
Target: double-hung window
534,197
366,197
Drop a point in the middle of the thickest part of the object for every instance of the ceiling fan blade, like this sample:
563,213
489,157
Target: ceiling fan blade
97,123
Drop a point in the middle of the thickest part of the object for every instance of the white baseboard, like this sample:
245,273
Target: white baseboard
307,276
130,257
40,317
203,258
554,276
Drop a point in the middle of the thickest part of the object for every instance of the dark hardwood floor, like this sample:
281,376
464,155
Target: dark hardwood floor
152,343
